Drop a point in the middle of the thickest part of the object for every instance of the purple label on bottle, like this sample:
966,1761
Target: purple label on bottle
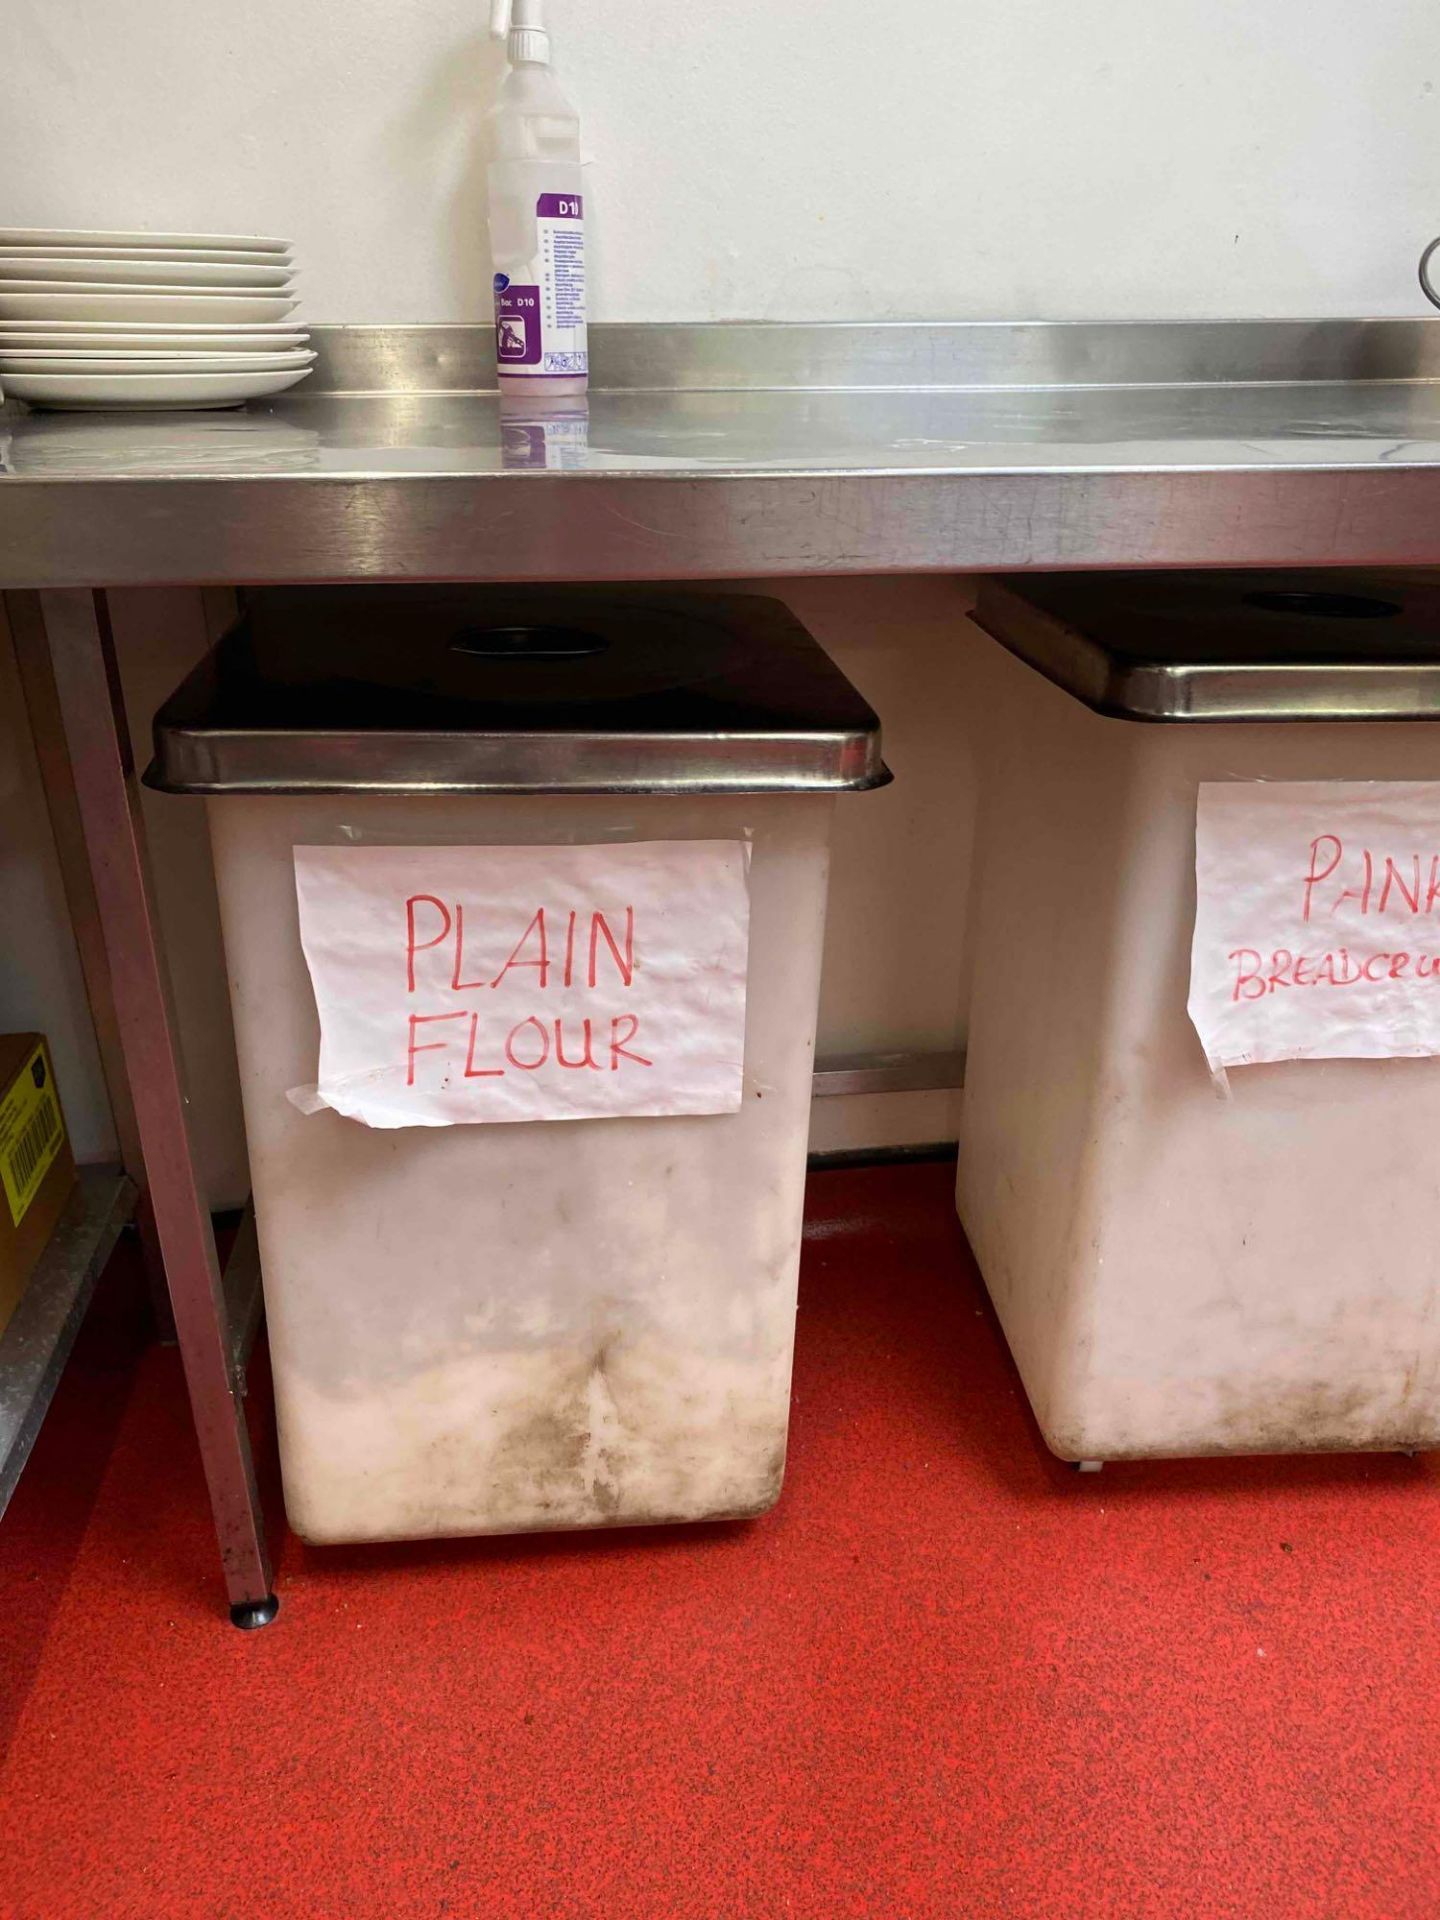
517,326
560,206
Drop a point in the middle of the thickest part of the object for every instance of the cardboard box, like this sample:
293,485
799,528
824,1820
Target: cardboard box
37,1168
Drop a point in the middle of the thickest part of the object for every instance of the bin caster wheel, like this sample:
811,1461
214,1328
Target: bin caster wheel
251,1614
1088,1466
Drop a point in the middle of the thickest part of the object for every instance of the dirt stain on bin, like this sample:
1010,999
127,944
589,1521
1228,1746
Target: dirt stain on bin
629,1438
1309,1417
631,1425
1293,1417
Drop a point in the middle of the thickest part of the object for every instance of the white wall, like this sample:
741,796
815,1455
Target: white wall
769,158
895,946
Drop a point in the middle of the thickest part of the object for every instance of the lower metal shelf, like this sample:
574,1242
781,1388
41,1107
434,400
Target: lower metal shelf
36,1344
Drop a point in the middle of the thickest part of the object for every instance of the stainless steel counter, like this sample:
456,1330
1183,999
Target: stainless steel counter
704,452
712,451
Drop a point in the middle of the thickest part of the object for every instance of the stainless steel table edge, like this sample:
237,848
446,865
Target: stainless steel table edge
730,450
92,521
580,528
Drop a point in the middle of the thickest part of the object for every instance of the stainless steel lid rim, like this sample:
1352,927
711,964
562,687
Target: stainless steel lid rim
1370,653
414,790
258,766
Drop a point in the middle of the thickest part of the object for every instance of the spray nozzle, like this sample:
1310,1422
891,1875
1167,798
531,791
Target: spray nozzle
520,24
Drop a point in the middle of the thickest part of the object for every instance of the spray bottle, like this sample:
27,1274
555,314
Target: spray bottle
537,216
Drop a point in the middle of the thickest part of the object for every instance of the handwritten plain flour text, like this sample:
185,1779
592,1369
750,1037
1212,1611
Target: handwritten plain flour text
587,954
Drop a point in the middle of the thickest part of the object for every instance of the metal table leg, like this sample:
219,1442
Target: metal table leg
37,679
88,686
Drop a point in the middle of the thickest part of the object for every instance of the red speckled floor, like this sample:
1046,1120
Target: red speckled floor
947,1677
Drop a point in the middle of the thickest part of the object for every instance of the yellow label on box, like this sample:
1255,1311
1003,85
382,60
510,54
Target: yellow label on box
31,1133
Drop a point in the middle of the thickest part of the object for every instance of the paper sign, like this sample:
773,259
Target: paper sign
527,983
1317,923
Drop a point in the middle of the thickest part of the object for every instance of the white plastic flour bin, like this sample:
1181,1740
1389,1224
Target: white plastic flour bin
1178,1272
579,1322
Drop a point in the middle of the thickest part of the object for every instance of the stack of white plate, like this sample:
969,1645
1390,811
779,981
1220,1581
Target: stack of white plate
147,320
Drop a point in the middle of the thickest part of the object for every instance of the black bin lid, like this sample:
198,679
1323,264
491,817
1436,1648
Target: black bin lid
441,690
1227,646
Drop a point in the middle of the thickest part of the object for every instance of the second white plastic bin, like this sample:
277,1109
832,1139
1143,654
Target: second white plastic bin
1176,1273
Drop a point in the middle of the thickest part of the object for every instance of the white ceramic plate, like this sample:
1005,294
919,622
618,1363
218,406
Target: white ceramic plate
243,345
42,271
287,333
147,389
139,303
11,362
229,257
100,237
